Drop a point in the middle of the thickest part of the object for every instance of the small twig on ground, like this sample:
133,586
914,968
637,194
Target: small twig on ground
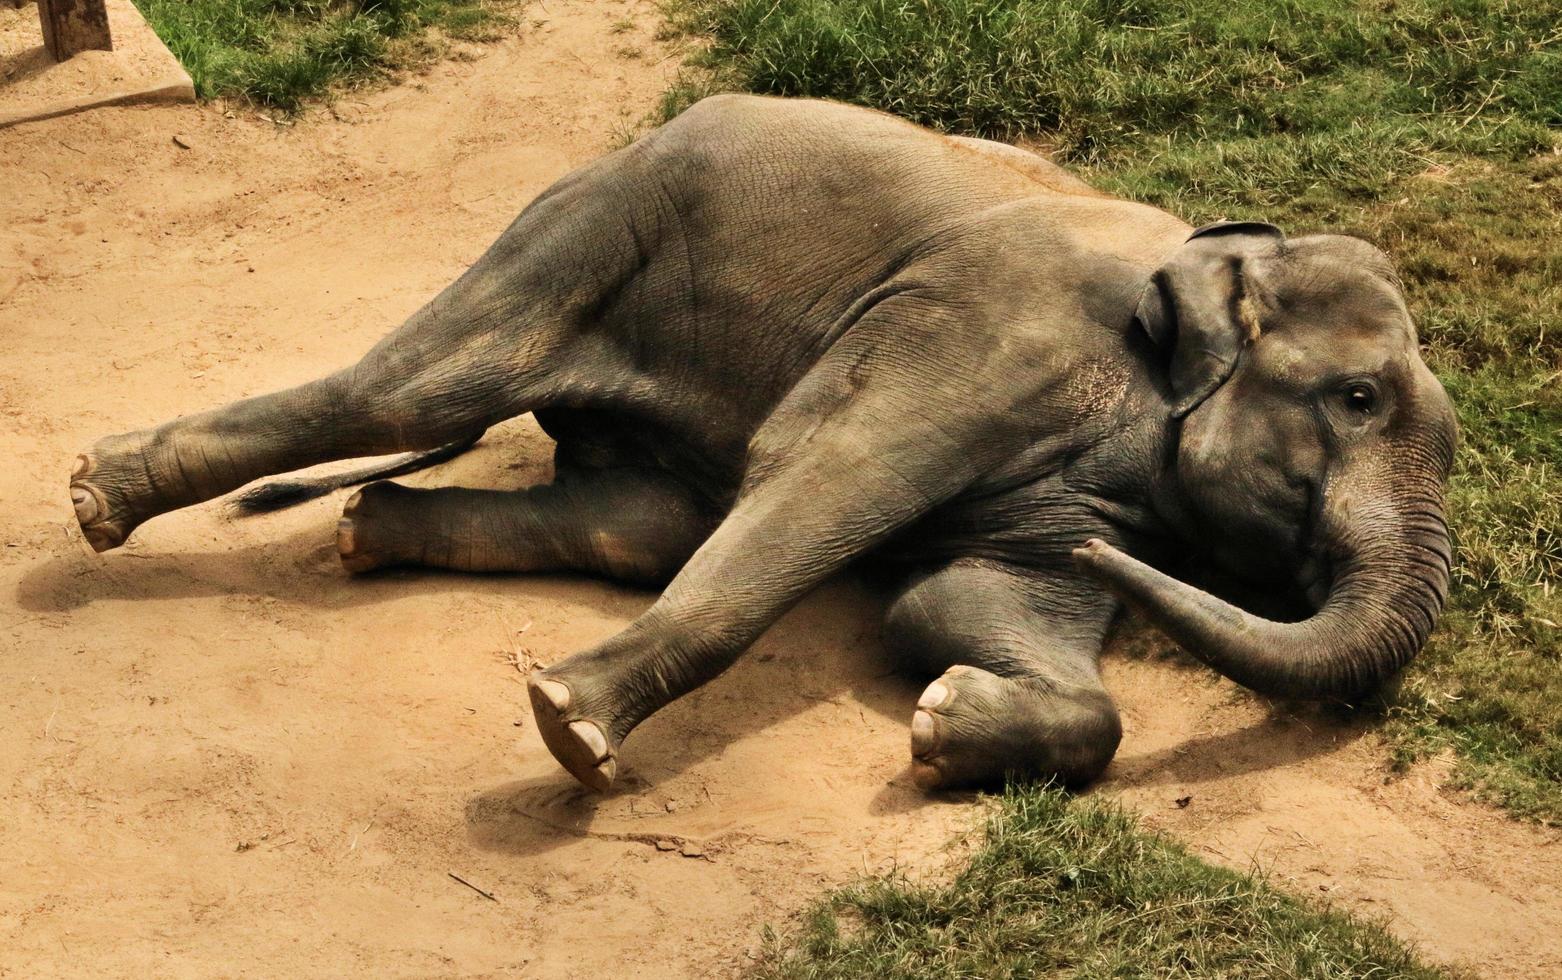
518,656
358,836
487,895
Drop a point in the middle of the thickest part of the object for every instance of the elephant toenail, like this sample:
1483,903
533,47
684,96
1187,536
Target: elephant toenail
608,770
926,775
590,736
353,503
101,538
86,504
83,464
936,694
924,734
556,694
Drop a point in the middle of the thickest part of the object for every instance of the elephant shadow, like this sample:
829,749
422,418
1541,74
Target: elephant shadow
1288,735
827,649
274,569
1169,689
530,817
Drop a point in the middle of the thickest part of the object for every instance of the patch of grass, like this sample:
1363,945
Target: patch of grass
1427,126
1065,887
280,53
1301,89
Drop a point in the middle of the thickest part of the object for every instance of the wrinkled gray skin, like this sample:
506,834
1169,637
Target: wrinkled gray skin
776,337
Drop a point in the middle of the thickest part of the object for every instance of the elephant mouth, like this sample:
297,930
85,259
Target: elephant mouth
1287,592
1314,580
1280,566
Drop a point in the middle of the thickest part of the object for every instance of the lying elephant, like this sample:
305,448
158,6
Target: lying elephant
774,337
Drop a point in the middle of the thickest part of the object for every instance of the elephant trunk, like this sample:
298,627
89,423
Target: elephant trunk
1392,561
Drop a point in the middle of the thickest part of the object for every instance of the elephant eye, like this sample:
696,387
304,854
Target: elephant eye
1360,398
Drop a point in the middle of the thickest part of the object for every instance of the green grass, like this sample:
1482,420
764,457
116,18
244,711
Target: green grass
1066,887
281,53
1427,126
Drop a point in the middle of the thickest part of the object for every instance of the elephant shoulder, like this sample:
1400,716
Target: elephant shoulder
1033,166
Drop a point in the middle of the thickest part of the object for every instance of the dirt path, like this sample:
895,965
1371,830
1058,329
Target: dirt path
227,758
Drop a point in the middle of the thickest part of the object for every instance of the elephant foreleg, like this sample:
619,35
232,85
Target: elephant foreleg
861,447
631,524
1020,691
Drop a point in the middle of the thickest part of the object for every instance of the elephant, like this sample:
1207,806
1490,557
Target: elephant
777,338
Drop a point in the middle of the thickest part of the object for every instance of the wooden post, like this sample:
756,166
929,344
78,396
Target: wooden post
70,26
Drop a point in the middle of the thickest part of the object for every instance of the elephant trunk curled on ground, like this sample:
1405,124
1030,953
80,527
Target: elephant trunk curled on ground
776,337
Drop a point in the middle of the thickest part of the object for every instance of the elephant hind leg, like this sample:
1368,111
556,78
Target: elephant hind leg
501,340
630,524
456,367
1019,692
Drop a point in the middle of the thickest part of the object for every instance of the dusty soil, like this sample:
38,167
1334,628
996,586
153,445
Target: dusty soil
227,758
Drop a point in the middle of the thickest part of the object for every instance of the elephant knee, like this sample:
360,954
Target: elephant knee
904,630
919,629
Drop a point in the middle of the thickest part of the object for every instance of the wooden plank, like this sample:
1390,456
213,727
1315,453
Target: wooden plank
70,26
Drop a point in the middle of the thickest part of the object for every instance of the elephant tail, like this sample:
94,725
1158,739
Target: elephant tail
280,494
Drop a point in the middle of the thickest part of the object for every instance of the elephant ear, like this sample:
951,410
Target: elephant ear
1199,307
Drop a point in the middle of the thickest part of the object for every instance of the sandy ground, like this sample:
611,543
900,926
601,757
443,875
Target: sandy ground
226,758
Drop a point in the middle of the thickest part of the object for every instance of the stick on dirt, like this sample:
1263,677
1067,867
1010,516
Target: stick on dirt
487,895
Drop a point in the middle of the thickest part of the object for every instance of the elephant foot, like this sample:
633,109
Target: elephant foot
364,542
973,728
579,744
110,491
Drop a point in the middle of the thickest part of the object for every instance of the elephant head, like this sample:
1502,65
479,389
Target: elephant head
1314,444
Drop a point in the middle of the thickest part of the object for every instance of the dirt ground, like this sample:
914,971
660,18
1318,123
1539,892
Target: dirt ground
226,758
